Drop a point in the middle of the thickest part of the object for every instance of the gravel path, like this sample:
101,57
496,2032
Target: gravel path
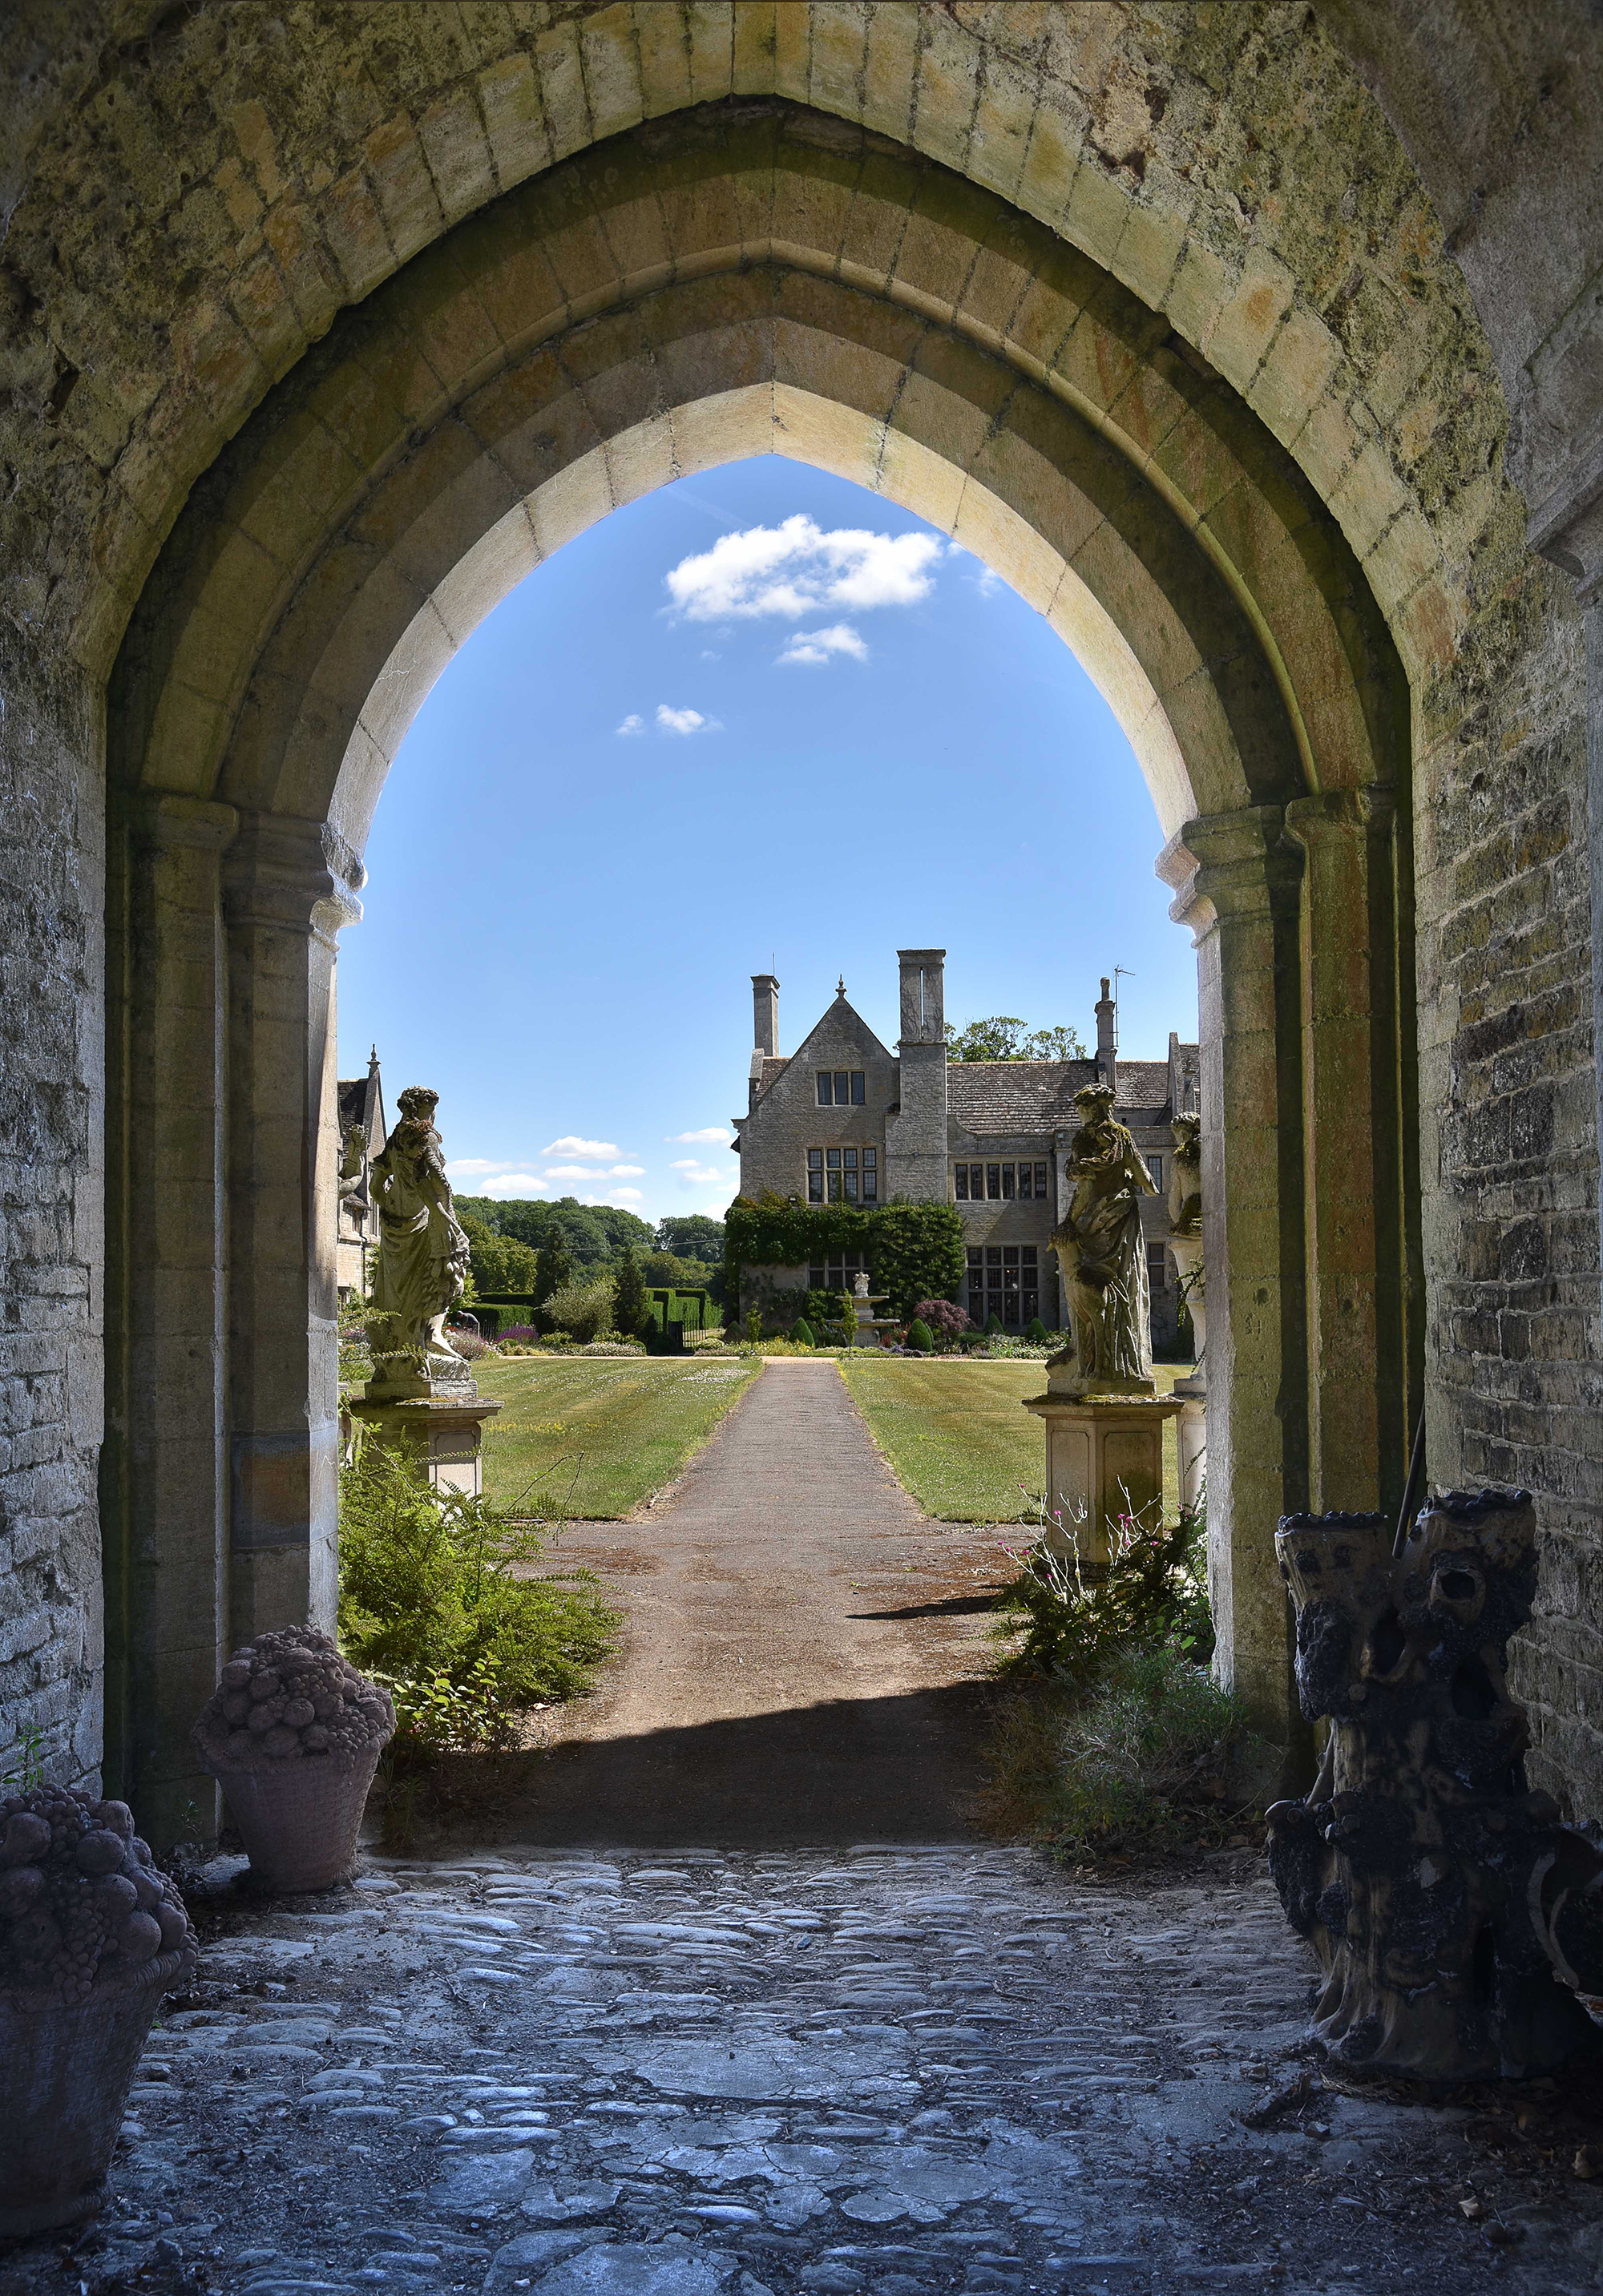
805,1652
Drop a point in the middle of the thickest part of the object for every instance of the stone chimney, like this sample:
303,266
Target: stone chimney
915,1136
765,1013
1108,1040
923,995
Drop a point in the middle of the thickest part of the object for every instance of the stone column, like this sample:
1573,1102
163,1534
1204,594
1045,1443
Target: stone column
1238,882
165,1475
1358,1435
284,906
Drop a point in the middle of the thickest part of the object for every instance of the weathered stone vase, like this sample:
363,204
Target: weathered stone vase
292,1735
64,2076
1455,1919
301,1824
91,1936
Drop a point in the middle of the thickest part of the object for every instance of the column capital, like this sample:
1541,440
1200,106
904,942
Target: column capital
1357,812
1237,863
290,872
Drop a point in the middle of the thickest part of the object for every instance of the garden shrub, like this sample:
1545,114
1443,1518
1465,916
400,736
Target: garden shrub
1156,1748
993,1325
1037,1331
1066,1624
429,1607
920,1336
945,1319
802,1334
581,1308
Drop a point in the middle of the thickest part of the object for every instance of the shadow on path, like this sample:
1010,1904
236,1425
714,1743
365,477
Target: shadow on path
844,1771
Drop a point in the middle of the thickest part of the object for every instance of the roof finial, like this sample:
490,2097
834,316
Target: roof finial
840,984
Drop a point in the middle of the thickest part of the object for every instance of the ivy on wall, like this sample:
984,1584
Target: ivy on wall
914,1251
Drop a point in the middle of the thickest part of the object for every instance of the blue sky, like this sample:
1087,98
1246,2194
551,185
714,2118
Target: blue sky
759,718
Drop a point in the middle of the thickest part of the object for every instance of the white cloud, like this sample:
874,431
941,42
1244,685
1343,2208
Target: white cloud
633,723
471,1167
511,1183
720,1132
817,645
589,1172
694,1174
684,721
623,1198
793,569
596,1151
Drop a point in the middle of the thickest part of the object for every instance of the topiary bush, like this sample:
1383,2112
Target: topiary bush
801,1332
631,1309
920,1336
1036,1333
993,1325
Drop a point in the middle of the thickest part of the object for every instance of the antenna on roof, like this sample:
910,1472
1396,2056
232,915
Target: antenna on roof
1129,975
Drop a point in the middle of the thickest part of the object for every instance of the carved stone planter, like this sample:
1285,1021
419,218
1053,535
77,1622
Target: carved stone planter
92,1938
300,1823
292,1735
1454,1917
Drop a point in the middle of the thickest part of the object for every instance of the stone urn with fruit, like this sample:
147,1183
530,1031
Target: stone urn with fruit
91,1936
292,1735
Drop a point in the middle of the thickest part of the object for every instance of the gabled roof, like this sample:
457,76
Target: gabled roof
840,1013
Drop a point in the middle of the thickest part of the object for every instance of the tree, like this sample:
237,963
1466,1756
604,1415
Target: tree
1002,1038
629,1308
691,1236
553,1268
499,1262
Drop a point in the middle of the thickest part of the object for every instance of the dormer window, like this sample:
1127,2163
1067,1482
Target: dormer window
841,1088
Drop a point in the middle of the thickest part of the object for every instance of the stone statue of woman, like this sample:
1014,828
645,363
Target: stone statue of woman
1102,1251
423,1258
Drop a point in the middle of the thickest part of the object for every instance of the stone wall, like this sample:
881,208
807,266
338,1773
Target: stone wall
52,1252
192,196
788,1121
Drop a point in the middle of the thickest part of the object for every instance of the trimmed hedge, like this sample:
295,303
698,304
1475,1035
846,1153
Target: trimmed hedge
914,1251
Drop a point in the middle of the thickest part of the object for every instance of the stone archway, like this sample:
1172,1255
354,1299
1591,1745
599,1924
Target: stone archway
749,277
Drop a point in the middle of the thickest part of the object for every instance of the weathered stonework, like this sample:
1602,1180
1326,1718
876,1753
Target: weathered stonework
1195,231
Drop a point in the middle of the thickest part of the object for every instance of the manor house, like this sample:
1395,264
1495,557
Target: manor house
843,1121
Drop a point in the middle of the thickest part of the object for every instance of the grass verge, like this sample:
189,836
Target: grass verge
957,1439
602,1433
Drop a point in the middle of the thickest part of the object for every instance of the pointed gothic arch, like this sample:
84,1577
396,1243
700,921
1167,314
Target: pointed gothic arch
747,277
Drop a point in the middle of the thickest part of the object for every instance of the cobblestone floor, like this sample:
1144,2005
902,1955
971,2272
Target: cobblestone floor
951,2069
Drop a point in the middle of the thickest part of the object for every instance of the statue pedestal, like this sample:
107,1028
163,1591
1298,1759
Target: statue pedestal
1193,1436
1104,1459
441,1435
1186,1249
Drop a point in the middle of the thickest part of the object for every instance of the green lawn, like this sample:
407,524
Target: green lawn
598,1435
957,1439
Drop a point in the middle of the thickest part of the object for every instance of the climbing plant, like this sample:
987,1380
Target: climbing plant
914,1251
